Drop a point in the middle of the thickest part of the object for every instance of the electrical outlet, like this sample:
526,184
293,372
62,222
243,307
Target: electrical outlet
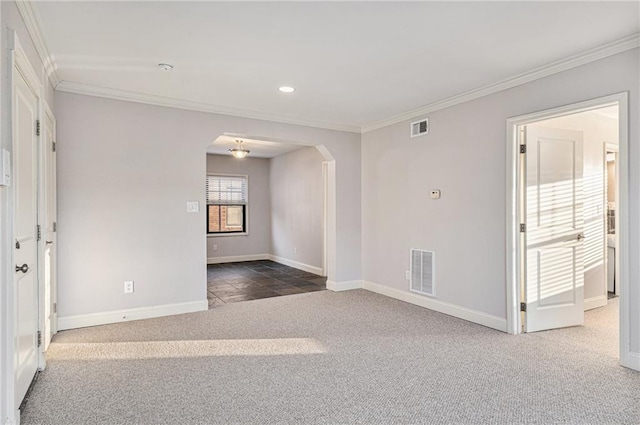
215,247
128,287
435,194
407,275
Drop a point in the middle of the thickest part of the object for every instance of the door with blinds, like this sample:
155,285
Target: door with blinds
227,200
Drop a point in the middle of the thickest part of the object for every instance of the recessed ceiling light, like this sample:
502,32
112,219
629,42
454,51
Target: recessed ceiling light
287,89
165,66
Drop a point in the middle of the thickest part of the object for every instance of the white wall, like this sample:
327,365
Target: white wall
258,241
297,195
464,156
596,130
125,173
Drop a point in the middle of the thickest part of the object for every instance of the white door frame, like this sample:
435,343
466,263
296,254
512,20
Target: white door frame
610,147
45,162
514,250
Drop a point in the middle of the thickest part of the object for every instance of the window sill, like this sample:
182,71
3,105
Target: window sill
226,235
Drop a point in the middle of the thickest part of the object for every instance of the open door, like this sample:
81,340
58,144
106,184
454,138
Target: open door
554,233
48,220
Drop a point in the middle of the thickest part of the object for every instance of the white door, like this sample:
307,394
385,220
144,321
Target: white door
48,263
25,148
554,276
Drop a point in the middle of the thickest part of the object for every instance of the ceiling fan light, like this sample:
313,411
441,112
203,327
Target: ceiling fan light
239,153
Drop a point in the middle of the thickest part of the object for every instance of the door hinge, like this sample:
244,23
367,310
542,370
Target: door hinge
37,127
53,146
55,226
523,148
39,230
523,306
17,244
39,338
523,227
55,307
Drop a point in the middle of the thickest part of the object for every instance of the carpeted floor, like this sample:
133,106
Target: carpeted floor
332,358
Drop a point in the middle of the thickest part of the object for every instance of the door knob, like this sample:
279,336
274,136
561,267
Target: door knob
48,242
581,237
23,268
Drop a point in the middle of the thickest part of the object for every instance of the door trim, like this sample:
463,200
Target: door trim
44,216
513,182
610,147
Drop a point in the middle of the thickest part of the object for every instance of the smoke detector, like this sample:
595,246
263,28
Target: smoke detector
165,66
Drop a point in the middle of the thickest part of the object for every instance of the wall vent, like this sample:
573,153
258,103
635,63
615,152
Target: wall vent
420,128
423,272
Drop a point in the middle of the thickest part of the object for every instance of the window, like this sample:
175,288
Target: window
226,204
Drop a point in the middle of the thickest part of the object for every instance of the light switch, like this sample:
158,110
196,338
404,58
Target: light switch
5,163
193,207
435,194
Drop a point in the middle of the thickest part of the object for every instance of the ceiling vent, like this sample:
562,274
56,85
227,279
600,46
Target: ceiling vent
423,272
420,128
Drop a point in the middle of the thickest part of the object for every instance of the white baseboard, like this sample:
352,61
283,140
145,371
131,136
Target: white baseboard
344,286
15,420
237,258
595,302
633,360
488,320
274,258
296,265
94,319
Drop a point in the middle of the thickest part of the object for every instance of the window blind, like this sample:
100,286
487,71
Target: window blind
226,190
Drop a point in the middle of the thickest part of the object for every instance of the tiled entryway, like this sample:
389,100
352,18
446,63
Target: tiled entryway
252,280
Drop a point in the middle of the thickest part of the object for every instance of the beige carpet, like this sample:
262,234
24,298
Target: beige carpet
333,358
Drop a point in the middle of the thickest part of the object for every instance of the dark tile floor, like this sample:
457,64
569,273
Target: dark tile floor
252,280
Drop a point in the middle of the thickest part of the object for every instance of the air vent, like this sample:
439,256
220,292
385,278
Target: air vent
420,128
423,272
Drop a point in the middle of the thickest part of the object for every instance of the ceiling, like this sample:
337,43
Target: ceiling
257,148
353,64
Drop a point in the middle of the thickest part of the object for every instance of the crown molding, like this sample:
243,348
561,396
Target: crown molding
591,55
583,58
33,22
150,99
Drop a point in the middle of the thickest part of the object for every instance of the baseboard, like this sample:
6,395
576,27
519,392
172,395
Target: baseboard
344,286
237,258
633,360
296,265
94,319
595,302
488,320
15,420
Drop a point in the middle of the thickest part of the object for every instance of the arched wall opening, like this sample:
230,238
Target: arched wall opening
269,150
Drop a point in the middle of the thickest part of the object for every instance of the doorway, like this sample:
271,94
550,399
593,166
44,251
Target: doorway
558,216
287,192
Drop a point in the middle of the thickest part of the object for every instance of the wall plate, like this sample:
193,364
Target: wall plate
193,206
5,168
